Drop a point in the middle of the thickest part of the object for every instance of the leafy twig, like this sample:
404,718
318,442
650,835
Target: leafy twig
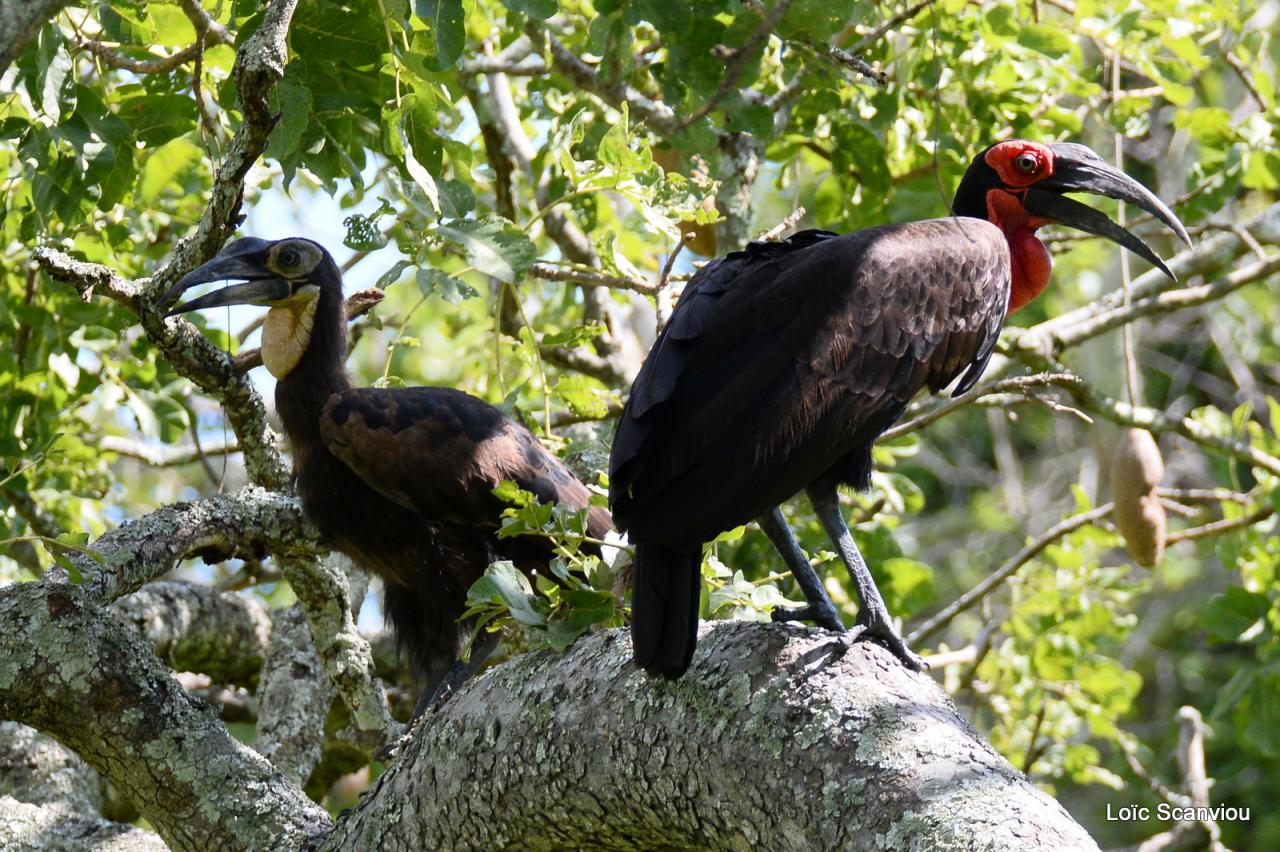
997,577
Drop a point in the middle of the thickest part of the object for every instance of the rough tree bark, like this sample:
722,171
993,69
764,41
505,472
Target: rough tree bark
780,737
20,20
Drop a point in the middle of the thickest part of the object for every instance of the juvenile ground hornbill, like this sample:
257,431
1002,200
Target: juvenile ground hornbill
399,480
783,363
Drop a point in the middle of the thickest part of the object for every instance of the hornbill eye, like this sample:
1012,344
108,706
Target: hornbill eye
1027,163
289,257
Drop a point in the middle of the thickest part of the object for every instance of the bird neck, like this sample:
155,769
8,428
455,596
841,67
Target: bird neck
1030,261
319,373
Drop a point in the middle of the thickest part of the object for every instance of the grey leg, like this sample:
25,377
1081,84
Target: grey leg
820,610
873,615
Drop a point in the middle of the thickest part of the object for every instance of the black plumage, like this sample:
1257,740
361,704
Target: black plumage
399,480
783,363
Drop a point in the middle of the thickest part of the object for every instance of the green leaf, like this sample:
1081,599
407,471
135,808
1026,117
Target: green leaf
348,32
447,25
123,24
615,149
156,119
165,166
1232,613
493,245
452,290
293,102
457,199
393,274
1050,40
503,583
582,395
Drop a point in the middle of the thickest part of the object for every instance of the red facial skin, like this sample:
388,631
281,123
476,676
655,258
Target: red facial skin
1031,263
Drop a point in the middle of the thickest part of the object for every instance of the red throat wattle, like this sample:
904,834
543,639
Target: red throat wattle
1031,263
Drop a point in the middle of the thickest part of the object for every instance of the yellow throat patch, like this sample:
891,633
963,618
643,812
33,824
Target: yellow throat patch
287,330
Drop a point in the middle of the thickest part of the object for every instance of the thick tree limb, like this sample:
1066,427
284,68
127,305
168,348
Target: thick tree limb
51,799
195,628
25,827
779,737
330,591
293,699
71,670
248,522
251,522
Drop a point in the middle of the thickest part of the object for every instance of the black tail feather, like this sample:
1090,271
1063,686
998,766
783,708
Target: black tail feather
664,609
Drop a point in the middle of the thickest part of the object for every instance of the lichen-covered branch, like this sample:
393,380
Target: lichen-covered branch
293,699
260,63
194,628
50,799
259,66
248,522
70,669
779,737
330,591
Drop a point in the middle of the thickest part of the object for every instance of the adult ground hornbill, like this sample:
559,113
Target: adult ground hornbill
399,480
783,363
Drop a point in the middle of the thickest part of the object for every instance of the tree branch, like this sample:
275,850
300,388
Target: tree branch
737,63
20,20
123,712
330,591
293,699
993,580
248,522
660,117
1211,257
190,353
588,751
194,628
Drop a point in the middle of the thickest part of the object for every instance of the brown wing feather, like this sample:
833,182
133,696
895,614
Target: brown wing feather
442,452
790,359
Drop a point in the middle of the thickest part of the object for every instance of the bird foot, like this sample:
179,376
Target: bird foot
825,617
882,631
391,750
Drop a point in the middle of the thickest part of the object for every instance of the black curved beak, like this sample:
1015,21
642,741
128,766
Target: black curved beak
1078,169
243,260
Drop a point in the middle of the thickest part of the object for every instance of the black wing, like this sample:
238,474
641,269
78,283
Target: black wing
783,359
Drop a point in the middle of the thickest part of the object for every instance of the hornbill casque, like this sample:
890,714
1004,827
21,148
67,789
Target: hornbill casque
783,363
402,480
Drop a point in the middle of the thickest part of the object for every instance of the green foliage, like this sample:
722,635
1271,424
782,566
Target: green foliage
554,610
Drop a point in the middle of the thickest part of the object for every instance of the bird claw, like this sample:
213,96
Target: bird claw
391,750
824,617
882,631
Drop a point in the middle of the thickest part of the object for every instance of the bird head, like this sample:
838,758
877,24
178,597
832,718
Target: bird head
289,276
1020,186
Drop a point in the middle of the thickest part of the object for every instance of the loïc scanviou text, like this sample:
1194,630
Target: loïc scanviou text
1176,813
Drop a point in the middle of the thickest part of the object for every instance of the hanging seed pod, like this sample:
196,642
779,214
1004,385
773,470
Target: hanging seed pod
1136,470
